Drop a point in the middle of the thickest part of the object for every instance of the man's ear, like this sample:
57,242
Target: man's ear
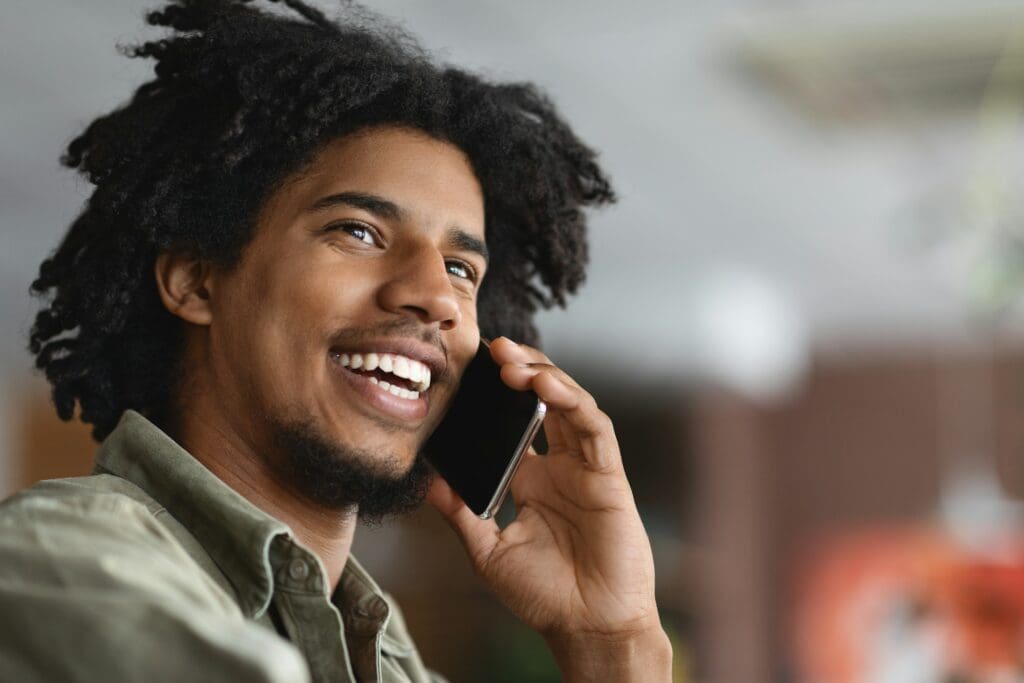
185,283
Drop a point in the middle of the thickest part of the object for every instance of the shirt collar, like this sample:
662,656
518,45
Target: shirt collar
249,546
368,610
235,533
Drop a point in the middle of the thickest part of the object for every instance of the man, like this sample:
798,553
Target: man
286,193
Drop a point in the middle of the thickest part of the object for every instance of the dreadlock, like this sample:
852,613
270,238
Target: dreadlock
241,99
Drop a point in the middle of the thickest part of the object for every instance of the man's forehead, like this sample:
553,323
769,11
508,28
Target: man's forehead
408,171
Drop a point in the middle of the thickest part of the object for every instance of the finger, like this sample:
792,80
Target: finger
555,434
520,376
478,536
504,350
587,431
523,377
583,420
525,481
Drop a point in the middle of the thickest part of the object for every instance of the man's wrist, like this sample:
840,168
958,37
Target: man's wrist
644,657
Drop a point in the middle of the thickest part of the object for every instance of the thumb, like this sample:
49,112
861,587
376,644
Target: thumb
478,536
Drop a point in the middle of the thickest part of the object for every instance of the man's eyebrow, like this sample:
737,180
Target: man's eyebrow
372,203
461,239
387,209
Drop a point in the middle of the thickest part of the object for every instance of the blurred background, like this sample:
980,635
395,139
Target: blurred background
803,316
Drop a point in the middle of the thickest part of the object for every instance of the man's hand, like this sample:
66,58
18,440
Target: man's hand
576,563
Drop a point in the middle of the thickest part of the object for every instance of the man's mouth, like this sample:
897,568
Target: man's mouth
391,382
399,375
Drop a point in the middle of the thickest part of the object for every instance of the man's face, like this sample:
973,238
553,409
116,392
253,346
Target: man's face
369,256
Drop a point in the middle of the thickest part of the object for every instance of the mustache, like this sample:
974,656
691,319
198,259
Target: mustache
400,328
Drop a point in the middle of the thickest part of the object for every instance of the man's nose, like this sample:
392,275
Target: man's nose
420,285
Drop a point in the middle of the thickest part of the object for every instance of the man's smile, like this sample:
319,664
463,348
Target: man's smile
394,376
404,377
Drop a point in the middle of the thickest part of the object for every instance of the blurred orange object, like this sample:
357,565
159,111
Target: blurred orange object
985,601
907,605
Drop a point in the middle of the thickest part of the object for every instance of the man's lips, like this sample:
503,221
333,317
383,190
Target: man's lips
434,357
377,396
405,377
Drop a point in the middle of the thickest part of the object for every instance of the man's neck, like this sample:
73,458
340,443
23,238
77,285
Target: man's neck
211,439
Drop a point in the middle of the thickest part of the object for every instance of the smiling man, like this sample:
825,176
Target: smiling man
300,231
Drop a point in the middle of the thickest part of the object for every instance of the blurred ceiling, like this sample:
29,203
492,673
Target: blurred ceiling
724,175
900,63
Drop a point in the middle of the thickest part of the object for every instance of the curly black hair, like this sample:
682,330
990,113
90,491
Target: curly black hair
242,98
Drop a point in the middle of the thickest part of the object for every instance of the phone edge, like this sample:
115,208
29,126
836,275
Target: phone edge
529,434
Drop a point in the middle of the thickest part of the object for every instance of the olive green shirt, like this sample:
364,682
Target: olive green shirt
152,569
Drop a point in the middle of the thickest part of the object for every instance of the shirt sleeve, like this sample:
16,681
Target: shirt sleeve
94,589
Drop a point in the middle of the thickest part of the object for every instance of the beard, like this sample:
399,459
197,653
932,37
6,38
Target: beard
338,478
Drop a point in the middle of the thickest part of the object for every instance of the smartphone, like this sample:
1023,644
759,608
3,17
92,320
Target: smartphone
485,434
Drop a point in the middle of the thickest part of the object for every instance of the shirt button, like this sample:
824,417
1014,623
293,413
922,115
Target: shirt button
298,570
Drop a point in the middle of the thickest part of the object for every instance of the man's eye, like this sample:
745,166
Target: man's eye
361,232
460,269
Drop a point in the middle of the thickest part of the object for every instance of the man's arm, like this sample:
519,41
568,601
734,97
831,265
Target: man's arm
576,564
90,590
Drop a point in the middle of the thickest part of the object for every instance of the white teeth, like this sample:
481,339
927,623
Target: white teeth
416,372
395,390
399,391
412,370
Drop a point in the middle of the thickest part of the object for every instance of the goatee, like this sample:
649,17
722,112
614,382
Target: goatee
337,477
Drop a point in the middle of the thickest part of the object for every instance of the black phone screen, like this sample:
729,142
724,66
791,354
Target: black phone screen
477,440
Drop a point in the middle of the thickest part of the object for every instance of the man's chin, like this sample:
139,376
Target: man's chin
339,477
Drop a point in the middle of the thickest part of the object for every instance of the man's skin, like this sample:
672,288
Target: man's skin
323,277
